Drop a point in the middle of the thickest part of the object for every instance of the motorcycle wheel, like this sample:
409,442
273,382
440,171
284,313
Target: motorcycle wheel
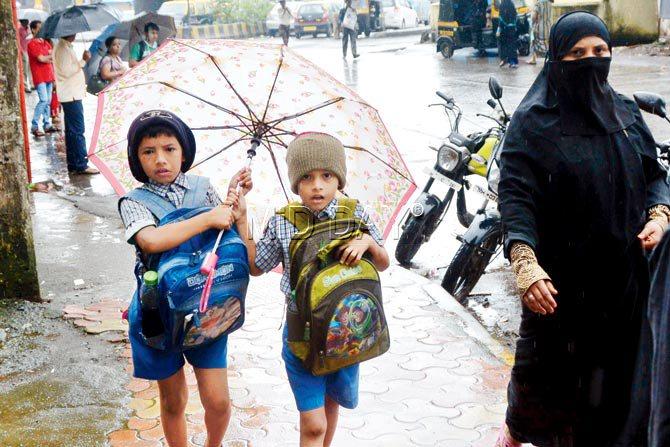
410,240
468,266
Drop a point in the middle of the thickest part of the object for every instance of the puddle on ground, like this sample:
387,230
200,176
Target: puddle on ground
47,413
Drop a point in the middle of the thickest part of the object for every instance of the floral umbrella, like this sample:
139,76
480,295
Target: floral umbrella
238,96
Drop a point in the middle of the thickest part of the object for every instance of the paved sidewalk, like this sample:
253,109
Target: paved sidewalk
439,385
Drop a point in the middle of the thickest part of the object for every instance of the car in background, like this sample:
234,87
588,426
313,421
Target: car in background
422,8
398,14
201,11
272,20
313,18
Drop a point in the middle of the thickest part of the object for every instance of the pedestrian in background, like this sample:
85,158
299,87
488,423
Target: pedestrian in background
72,89
285,18
111,66
40,60
146,46
24,34
508,34
349,25
582,196
541,24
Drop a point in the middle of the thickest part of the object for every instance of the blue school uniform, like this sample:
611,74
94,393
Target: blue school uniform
309,390
187,191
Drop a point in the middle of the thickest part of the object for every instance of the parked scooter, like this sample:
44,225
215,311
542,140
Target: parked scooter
654,104
459,157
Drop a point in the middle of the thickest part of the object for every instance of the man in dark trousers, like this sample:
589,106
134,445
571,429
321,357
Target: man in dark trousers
349,23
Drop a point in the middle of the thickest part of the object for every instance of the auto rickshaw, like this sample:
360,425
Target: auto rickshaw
457,26
369,15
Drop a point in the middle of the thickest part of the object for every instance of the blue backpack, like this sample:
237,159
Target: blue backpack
180,283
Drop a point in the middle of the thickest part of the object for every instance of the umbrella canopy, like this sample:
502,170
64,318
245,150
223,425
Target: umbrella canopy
133,30
234,92
33,14
77,19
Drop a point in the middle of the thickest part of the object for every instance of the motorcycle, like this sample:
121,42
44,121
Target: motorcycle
484,234
655,105
457,158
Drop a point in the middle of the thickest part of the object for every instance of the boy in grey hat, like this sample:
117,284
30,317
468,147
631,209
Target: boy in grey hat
318,173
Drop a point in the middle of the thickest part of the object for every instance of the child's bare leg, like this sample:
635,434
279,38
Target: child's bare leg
313,426
174,397
332,412
213,388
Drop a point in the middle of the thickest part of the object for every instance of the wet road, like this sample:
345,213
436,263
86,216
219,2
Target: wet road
399,77
396,75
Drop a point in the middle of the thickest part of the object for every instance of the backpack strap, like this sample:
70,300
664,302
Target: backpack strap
298,215
158,206
196,194
143,48
349,206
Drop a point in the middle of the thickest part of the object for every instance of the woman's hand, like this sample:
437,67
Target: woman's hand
651,235
540,297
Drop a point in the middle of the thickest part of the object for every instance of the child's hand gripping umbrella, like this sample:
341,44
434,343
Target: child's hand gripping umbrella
208,266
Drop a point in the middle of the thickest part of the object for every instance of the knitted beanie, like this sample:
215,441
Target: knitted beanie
310,151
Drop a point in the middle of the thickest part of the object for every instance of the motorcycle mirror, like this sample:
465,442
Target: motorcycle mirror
651,103
495,88
491,103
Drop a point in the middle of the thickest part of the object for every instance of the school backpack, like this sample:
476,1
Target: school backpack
180,283
335,316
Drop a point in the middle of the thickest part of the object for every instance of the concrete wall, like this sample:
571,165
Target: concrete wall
630,21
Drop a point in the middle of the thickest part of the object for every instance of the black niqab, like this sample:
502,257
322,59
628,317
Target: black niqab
579,197
578,90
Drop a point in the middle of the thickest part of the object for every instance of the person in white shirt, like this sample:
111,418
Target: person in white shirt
349,24
71,91
285,18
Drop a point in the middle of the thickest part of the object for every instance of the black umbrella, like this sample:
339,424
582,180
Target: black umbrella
77,19
133,30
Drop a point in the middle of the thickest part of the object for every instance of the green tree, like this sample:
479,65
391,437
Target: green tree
247,11
18,270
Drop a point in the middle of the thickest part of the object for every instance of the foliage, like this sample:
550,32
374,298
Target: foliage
247,11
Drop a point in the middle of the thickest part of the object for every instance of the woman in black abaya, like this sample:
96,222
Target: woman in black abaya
508,34
582,197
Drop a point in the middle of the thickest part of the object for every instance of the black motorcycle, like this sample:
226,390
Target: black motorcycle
483,237
457,158
654,104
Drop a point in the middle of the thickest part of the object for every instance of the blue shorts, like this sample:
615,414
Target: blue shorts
153,364
310,391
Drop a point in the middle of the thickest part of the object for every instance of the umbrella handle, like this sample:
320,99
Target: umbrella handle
209,264
206,291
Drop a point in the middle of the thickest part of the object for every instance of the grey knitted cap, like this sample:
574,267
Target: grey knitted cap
310,151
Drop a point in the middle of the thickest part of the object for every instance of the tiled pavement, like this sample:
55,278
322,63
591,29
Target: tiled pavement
439,385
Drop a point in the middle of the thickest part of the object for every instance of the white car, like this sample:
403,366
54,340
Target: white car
398,14
272,20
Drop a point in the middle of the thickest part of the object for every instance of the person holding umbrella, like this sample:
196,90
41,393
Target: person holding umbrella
111,66
146,46
71,92
582,197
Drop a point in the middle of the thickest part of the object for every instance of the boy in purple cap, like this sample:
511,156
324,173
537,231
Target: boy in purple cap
161,148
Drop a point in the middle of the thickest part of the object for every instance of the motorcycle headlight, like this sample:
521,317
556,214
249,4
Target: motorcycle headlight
493,177
448,158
